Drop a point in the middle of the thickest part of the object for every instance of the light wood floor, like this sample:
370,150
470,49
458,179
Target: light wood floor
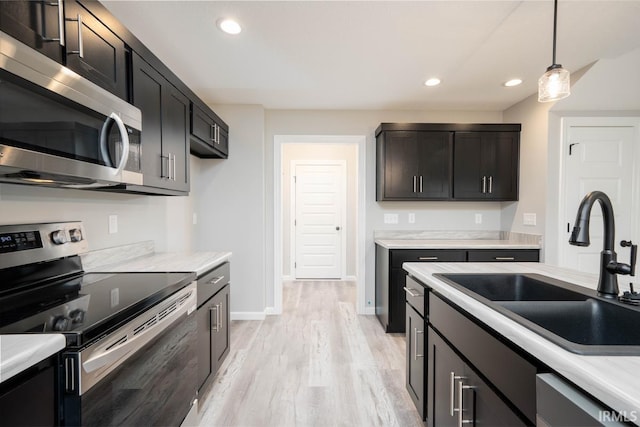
318,364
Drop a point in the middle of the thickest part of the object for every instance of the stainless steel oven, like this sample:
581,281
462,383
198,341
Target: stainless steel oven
59,129
131,338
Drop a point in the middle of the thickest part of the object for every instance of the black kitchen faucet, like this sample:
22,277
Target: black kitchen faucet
609,267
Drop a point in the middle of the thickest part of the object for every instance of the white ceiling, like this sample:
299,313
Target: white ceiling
376,54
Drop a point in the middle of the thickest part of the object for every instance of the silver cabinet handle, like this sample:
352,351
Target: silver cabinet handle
461,388
452,386
174,168
217,134
410,292
80,51
484,184
490,184
215,327
415,184
60,38
220,317
215,280
421,183
428,258
416,332
504,258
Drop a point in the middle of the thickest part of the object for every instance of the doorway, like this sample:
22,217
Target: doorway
318,216
599,154
310,148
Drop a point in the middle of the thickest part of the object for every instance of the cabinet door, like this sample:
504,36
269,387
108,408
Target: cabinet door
399,153
415,346
175,138
36,24
201,125
434,154
93,51
222,142
442,400
221,331
469,176
503,171
148,88
204,321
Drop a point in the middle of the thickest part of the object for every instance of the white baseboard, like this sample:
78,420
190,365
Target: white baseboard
271,311
369,311
247,315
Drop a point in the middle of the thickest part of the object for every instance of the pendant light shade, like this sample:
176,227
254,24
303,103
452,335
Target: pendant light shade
555,83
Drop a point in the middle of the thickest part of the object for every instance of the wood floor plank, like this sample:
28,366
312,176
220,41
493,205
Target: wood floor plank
317,364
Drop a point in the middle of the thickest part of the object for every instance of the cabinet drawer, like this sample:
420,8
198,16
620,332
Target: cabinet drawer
513,375
521,255
417,296
427,255
211,282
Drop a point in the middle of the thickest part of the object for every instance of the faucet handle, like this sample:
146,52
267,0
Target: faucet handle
634,254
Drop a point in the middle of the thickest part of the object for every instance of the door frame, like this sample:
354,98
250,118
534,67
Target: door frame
343,211
360,142
566,124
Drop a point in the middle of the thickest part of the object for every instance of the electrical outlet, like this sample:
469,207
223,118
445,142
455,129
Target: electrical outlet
113,224
478,218
195,218
412,218
390,218
529,219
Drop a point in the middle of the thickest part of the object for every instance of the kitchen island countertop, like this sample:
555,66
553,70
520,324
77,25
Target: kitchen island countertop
609,379
20,352
454,244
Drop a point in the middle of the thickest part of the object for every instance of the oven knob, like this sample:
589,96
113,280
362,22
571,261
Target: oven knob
77,316
58,237
60,323
75,234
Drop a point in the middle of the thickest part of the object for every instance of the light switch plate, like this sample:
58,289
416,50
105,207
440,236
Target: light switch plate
390,218
412,218
529,219
113,224
478,218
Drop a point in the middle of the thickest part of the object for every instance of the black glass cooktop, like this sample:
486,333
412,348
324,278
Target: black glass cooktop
87,306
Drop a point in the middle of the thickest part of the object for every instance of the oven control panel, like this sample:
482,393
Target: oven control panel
28,243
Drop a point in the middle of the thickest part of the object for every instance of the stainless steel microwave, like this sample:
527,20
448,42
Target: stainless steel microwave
59,129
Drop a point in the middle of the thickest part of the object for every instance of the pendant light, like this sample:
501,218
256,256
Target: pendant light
555,83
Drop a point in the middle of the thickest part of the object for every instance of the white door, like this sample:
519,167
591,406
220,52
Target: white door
598,158
319,205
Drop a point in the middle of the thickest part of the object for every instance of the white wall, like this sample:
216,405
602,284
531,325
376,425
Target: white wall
230,205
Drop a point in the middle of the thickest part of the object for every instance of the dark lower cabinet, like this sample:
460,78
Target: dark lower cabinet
38,24
29,399
459,394
390,277
93,50
213,323
165,124
416,338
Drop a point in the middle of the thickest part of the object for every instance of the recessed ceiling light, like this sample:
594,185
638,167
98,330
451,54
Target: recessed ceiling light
432,82
513,82
229,26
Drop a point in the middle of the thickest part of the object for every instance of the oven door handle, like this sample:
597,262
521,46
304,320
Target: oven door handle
111,355
104,143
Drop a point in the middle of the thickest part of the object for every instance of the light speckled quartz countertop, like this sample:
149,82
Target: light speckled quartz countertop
453,244
611,379
19,352
198,262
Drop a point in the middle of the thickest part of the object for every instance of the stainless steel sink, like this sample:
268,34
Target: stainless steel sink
571,316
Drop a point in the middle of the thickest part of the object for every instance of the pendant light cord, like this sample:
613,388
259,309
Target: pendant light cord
555,24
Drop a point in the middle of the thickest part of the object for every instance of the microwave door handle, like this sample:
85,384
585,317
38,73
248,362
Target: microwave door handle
104,145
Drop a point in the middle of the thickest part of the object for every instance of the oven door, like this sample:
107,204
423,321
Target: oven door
145,373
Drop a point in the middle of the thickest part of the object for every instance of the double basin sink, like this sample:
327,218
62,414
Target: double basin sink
571,316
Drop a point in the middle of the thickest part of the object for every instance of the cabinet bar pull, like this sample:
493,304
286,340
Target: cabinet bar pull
461,388
415,343
215,327
220,317
215,280
490,184
174,168
484,184
217,134
428,258
421,183
410,292
504,258
60,38
452,386
415,185
80,51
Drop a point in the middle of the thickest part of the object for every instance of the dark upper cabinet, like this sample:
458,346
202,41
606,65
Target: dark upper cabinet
38,24
414,165
447,161
209,135
165,124
486,165
94,51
